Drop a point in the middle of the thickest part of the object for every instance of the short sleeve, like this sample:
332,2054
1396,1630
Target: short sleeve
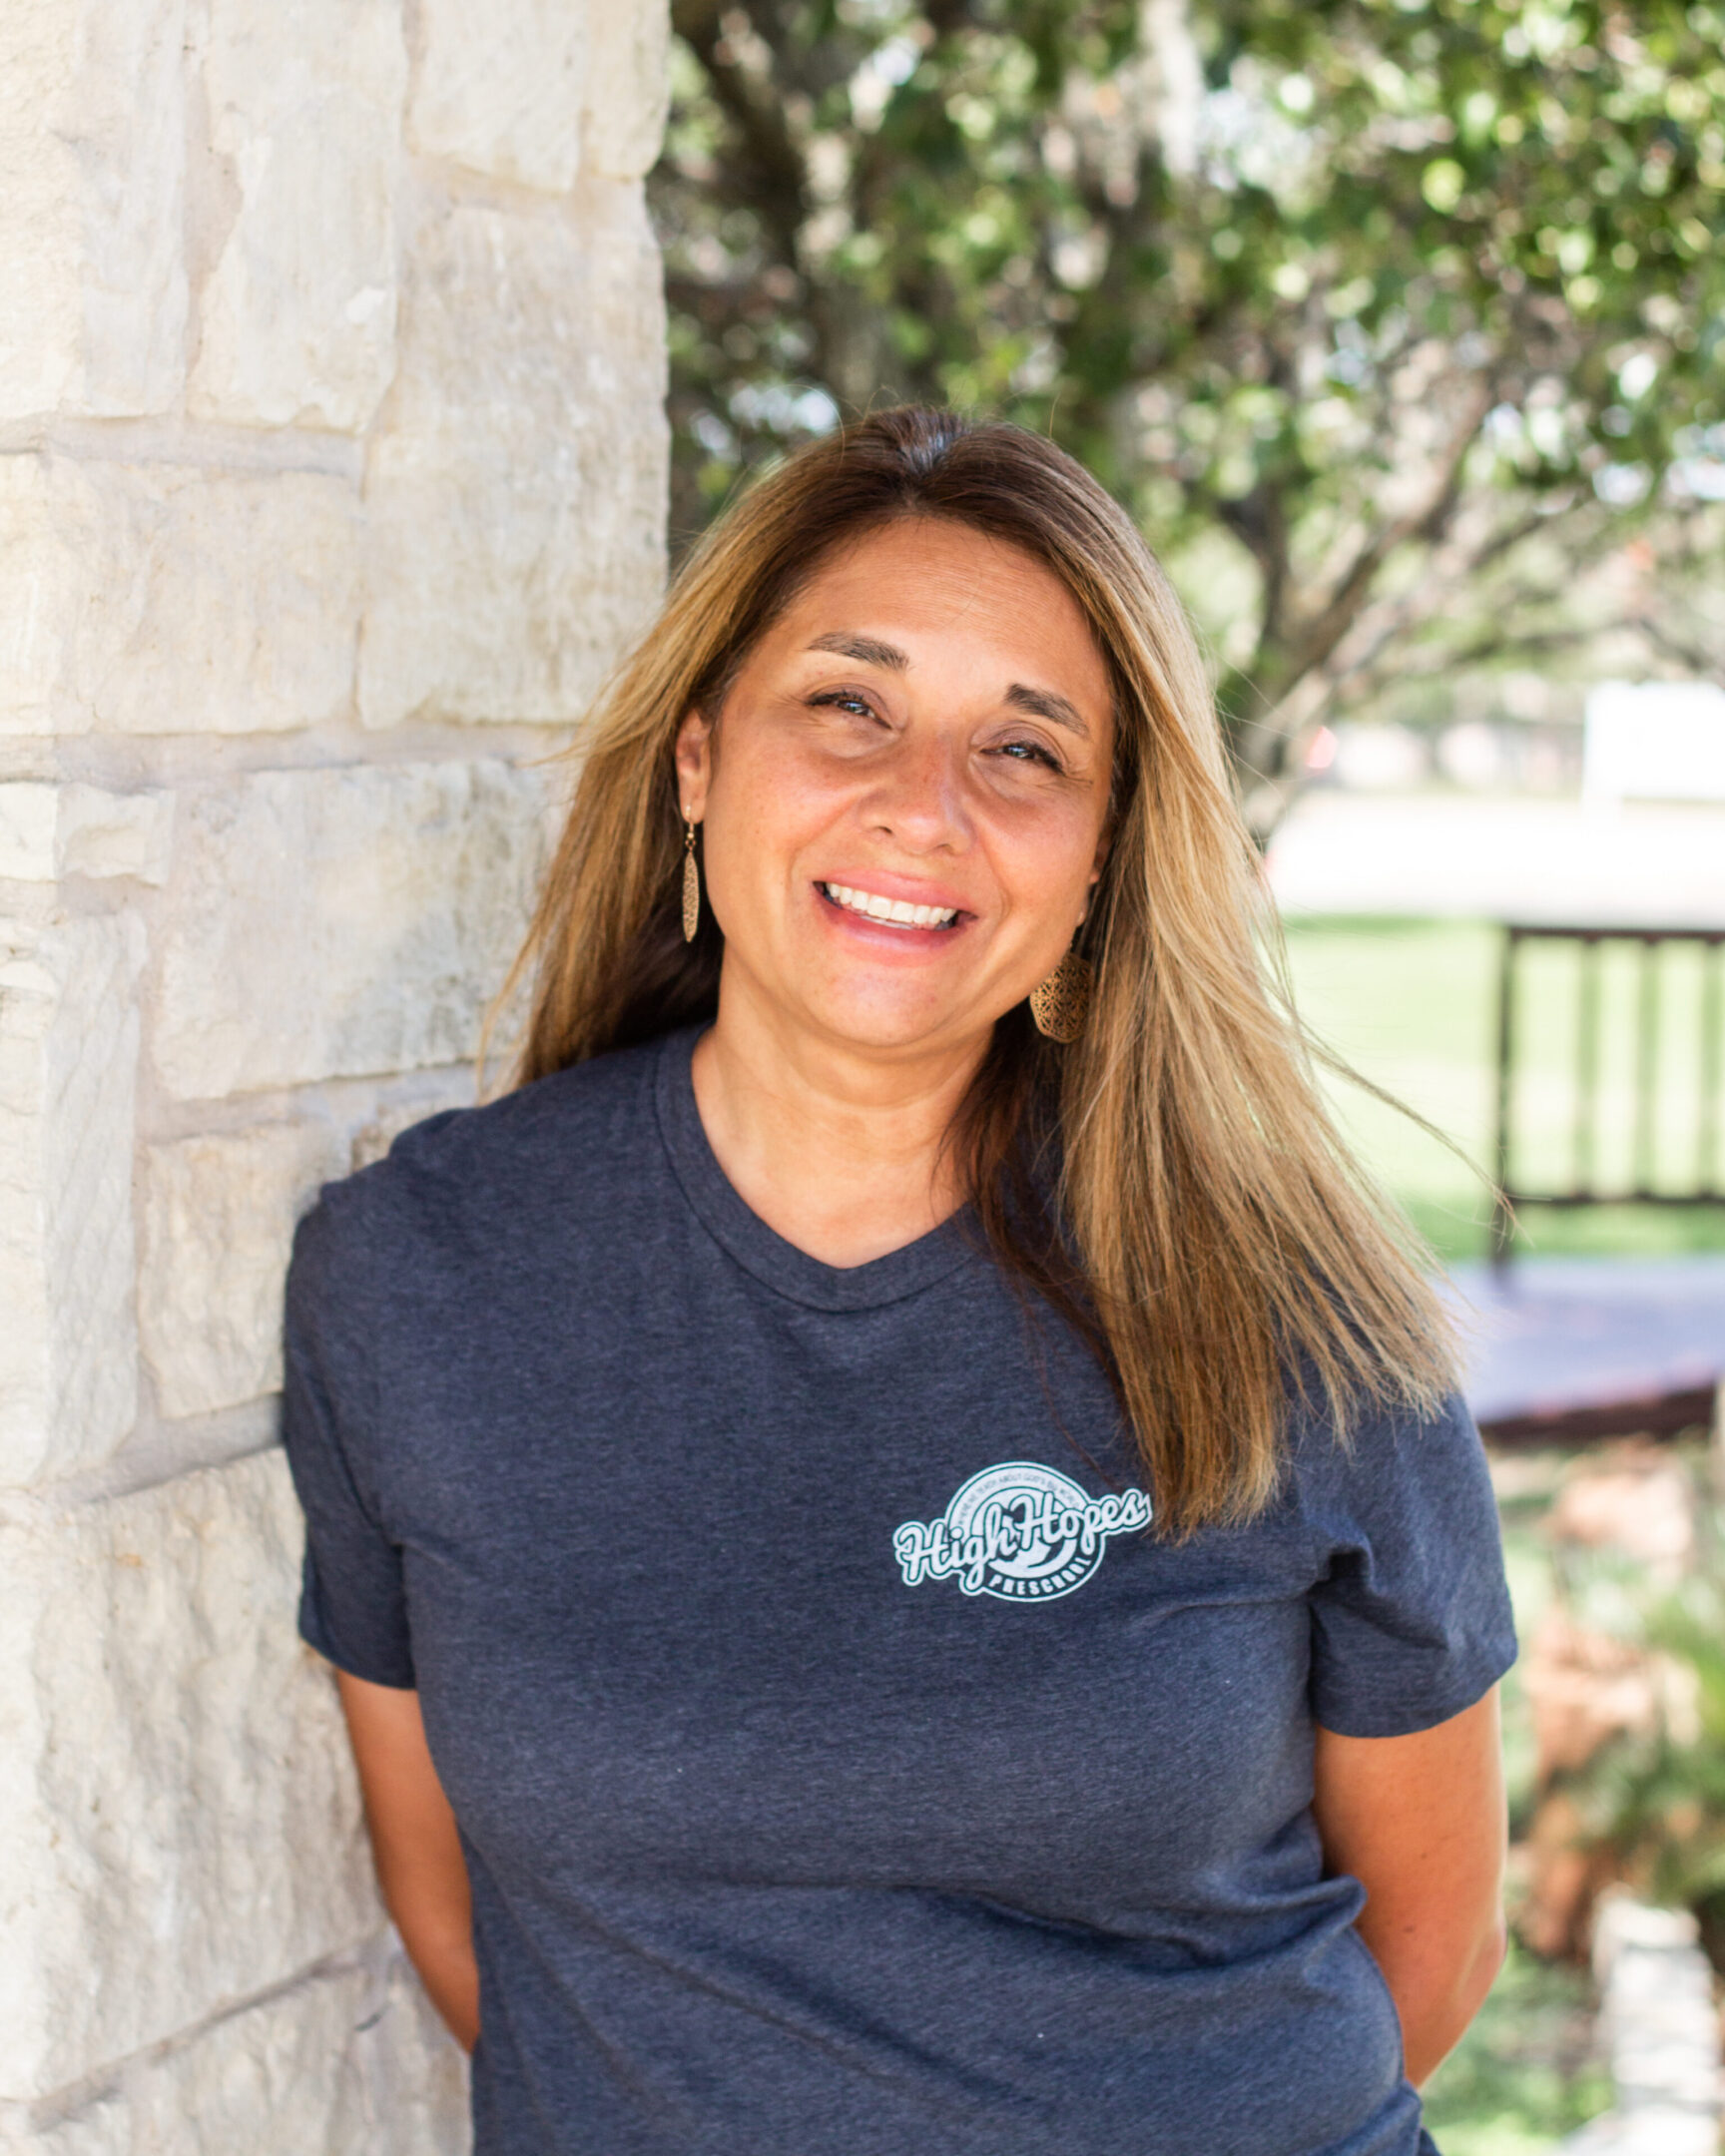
353,1605
1410,1618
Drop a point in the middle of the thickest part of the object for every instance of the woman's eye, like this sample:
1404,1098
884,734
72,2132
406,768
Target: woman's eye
845,700
1028,752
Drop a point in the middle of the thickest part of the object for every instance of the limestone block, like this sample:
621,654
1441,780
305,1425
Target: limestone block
515,485
47,538
92,206
156,599
628,87
297,314
179,1829
231,604
115,835
499,89
68,1079
351,2061
341,922
48,831
29,818
219,1216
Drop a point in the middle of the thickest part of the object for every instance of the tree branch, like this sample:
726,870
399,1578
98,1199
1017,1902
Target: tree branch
769,173
1323,631
1696,656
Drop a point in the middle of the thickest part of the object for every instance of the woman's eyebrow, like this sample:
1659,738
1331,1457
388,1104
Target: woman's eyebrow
1046,704
869,650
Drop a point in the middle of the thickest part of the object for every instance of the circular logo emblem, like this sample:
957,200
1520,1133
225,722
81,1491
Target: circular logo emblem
1019,1531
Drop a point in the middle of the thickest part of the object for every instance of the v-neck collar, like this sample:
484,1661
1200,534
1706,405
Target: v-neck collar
759,1250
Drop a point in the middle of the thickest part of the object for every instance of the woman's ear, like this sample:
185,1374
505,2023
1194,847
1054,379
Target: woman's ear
694,765
1099,861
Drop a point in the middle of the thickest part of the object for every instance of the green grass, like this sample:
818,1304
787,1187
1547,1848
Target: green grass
1412,1005
1523,2076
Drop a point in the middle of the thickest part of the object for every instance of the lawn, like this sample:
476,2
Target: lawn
1412,1005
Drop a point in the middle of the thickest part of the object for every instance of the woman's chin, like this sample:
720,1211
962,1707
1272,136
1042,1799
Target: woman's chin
892,1024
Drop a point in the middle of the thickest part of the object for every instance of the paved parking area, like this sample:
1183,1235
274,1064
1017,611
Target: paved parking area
1446,856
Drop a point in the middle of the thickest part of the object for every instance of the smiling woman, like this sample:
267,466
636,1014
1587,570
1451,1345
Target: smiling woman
901,838
904,1571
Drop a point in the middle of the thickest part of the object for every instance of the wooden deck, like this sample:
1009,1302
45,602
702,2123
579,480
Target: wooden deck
1562,1349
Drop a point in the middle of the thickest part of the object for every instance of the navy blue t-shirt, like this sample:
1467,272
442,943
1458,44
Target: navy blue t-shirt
842,1767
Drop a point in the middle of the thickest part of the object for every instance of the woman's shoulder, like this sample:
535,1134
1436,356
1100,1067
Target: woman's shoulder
1410,1612
574,1117
1369,1423
566,1147
1411,1463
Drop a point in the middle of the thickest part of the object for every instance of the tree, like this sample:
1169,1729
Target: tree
1388,319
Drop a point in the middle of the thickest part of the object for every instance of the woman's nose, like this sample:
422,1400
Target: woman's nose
919,798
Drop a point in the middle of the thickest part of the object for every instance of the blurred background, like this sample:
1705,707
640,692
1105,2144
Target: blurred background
1399,327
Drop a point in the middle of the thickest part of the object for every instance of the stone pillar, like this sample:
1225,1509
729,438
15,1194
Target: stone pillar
332,471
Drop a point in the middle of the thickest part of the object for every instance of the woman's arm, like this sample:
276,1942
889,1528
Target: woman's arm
1419,1822
417,1850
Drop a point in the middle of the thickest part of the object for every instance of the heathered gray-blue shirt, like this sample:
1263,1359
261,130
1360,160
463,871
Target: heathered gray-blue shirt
841,1769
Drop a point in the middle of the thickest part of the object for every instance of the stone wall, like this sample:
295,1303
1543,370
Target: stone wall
331,464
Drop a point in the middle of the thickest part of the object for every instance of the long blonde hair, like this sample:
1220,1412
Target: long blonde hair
1172,1183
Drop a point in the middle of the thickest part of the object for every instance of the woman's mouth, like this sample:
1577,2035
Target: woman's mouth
889,913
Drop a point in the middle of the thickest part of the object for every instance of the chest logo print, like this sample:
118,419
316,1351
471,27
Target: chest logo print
1019,1532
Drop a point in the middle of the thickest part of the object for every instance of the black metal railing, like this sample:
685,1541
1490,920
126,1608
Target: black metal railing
1663,1122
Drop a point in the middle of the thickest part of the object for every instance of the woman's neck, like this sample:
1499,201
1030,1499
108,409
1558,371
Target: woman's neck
840,1150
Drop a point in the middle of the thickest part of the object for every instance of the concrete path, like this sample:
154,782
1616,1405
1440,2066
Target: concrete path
1660,2031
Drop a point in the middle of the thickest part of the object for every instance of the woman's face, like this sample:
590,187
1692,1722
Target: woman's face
925,733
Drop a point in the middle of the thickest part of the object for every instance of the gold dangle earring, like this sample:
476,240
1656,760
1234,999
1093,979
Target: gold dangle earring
1061,1003
690,884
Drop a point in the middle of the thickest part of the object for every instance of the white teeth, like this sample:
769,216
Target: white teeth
895,912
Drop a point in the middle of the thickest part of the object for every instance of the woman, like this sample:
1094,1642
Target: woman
904,1571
